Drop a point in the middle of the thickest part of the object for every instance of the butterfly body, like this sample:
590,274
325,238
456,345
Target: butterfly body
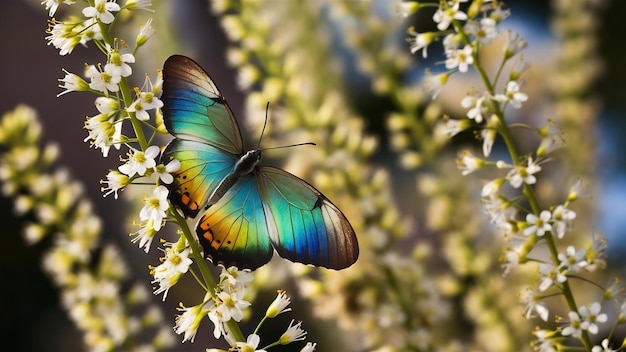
248,210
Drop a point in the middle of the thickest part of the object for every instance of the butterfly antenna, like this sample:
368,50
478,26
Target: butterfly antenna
267,108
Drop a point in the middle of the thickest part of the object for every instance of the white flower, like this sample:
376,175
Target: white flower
572,260
444,16
562,218
524,174
477,107
118,64
104,132
173,266
103,81
533,305
279,305
460,58
515,44
454,126
165,171
72,83
512,95
144,102
469,163
549,275
64,36
231,305
102,10
574,329
53,5
434,83
489,137
309,347
420,41
154,207
133,5
139,162
189,321
145,235
235,279
252,342
293,333
604,347
538,225
115,181
591,316
145,32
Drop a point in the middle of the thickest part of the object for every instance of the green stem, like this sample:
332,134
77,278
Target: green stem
528,190
207,277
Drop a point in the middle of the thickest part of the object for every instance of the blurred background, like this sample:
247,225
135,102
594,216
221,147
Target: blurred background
31,319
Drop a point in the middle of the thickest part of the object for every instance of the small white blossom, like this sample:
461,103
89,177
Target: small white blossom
454,126
102,10
115,181
484,30
118,64
590,316
434,83
533,305
231,305
572,260
477,107
144,102
574,328
550,275
72,83
460,58
139,162
562,219
145,32
171,269
446,13
468,163
154,207
603,347
165,171
104,132
251,344
103,81
53,5
512,95
515,44
538,225
64,36
188,322
279,305
419,41
524,174
293,333
309,347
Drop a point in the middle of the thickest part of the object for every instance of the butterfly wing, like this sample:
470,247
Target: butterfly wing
202,167
234,230
194,108
208,141
305,226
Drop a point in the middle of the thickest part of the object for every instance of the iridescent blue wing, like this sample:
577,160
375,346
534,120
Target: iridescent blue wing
305,226
194,109
234,231
208,141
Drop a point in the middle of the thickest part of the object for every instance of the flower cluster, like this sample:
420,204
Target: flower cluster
464,35
228,304
90,285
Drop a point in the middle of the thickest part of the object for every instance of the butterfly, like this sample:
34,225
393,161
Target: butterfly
248,211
